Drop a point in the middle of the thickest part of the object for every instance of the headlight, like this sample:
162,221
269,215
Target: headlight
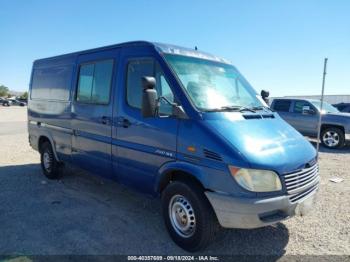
256,180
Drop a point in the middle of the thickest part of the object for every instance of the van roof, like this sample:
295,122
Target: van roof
160,47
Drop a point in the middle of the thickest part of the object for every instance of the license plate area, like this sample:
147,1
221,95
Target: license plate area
305,205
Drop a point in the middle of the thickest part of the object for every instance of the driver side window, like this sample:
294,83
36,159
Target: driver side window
298,106
147,67
163,89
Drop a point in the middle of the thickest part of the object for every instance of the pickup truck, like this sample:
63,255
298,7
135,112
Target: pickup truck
303,115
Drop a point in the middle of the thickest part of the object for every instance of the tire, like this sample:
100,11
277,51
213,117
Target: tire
197,210
332,137
50,166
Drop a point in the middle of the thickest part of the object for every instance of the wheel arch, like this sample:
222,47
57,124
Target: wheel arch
179,171
44,138
326,125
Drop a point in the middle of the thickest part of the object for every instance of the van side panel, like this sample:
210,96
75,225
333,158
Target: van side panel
49,104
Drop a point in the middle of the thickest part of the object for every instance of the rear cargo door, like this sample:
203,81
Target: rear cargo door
92,111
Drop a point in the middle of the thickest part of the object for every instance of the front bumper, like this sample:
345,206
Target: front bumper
254,213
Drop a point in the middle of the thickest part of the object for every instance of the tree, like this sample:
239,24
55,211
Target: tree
4,90
24,95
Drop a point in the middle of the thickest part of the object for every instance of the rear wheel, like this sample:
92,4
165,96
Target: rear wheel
332,137
188,215
50,166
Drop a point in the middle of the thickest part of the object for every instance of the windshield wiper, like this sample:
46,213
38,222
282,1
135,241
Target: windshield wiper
262,108
231,108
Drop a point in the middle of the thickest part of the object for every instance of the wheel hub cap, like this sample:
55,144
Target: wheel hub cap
331,138
182,216
47,161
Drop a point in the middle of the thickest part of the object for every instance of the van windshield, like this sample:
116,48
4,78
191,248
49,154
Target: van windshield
213,86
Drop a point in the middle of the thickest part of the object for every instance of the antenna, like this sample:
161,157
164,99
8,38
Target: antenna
321,106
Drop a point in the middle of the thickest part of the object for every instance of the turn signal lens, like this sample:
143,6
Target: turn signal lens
191,149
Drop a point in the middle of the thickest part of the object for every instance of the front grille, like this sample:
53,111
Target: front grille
301,180
300,196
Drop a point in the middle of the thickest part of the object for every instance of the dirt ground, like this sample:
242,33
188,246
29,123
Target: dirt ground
84,214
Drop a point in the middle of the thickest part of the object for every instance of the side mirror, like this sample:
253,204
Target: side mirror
306,110
179,112
265,95
149,96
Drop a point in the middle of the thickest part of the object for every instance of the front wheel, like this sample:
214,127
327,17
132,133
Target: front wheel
188,215
332,137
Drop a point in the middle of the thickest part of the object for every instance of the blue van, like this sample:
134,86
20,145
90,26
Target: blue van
175,123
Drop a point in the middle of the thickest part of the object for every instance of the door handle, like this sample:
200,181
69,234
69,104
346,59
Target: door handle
105,120
126,123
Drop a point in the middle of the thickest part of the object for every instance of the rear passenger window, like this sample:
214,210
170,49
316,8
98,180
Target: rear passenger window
95,82
282,105
52,83
86,77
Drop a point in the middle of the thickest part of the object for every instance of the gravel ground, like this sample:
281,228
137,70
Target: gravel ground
84,214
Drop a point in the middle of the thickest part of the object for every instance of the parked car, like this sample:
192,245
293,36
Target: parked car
343,107
5,102
175,123
303,115
16,102
24,100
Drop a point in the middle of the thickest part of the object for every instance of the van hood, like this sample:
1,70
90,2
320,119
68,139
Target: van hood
266,143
